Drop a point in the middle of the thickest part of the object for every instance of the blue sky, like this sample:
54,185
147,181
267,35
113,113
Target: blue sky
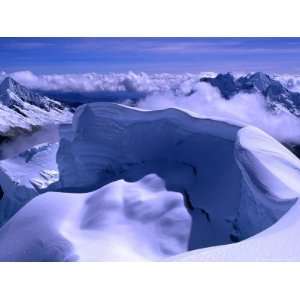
175,55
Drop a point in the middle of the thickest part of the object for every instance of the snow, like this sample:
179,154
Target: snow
120,221
273,172
12,123
13,94
25,176
132,184
197,157
269,111
258,150
22,111
280,242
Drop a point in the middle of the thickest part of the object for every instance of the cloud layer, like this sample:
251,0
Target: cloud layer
171,90
140,82
92,82
242,109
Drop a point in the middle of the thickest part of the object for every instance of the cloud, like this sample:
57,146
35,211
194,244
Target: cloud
93,82
169,90
242,109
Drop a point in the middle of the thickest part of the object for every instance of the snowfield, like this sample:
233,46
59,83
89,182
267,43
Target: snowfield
131,184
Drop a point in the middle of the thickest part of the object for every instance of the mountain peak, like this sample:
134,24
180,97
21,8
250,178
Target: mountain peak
261,80
225,83
277,96
260,75
13,94
8,83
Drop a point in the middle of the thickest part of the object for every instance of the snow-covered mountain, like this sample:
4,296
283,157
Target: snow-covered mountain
277,96
13,95
23,111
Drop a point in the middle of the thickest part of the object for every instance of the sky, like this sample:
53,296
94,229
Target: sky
152,55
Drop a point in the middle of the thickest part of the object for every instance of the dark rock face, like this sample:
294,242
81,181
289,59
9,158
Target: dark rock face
225,83
277,96
294,148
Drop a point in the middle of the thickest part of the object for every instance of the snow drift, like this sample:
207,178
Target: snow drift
121,221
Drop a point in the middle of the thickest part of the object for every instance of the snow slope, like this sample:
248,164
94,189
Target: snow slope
25,176
22,111
121,221
274,173
280,242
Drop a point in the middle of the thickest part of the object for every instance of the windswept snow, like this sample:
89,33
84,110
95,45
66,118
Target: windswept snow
280,242
272,172
121,221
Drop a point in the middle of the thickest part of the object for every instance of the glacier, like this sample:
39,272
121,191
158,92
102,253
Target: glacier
132,184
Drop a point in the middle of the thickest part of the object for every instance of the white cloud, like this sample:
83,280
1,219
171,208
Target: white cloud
242,109
169,90
90,82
